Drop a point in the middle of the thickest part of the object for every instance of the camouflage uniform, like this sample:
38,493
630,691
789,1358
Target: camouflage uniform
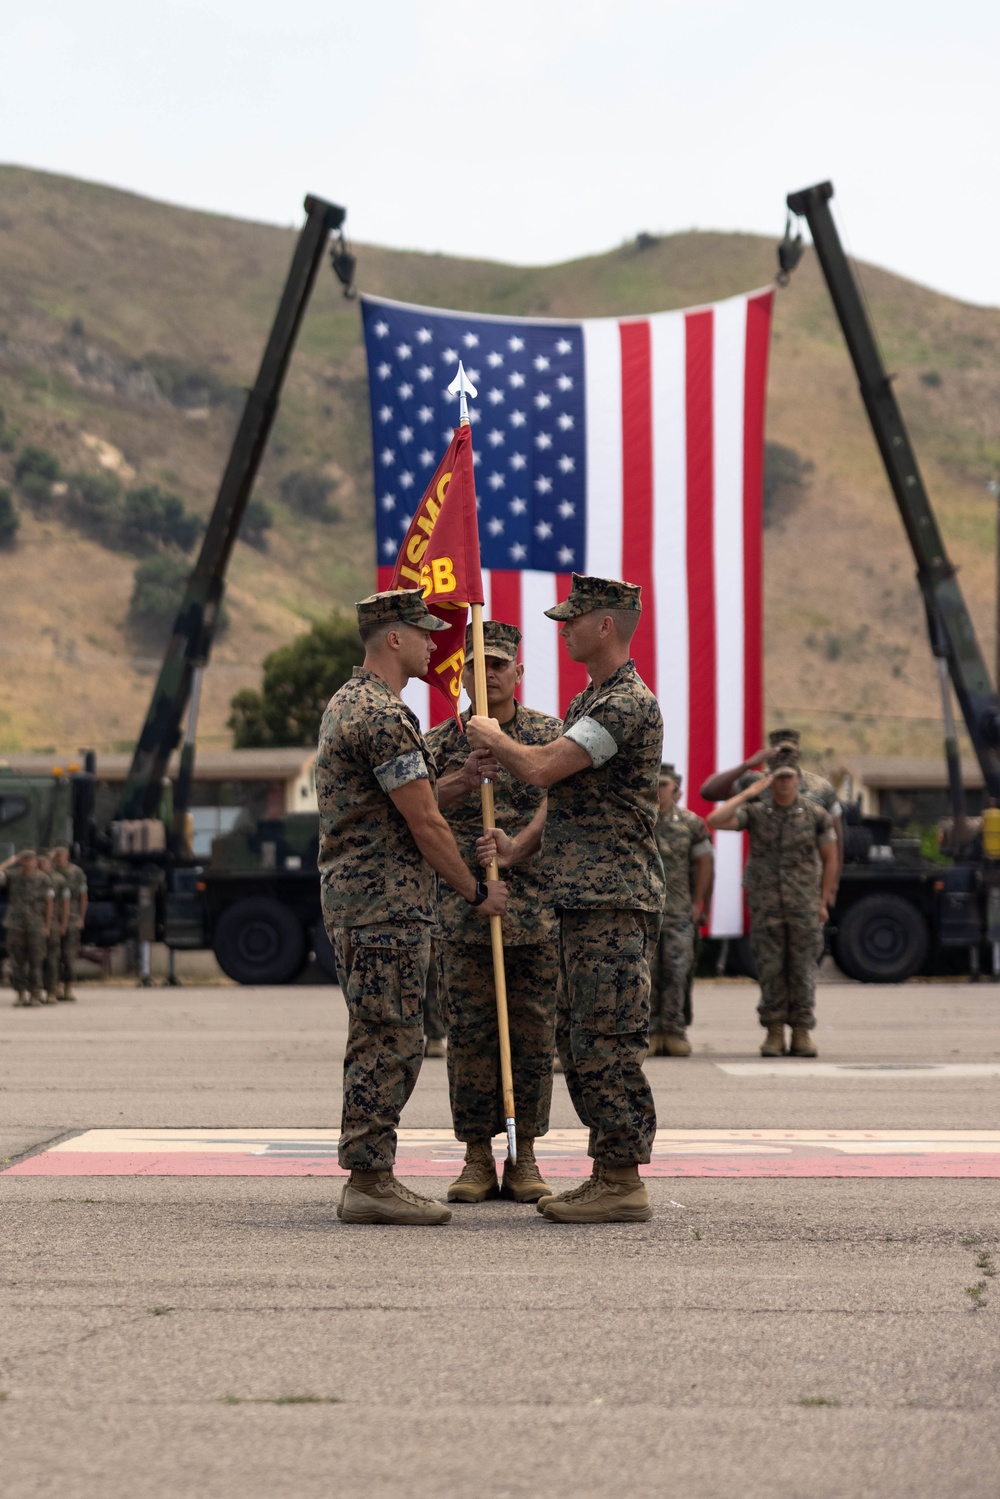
681,837
69,948
783,880
25,922
465,958
53,945
378,899
607,880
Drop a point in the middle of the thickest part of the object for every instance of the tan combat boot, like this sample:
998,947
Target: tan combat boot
478,1179
802,1043
676,1046
774,1044
573,1193
67,995
523,1181
36,997
377,1197
618,1195
22,1002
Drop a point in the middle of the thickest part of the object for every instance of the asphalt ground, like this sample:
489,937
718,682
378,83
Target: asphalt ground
227,1336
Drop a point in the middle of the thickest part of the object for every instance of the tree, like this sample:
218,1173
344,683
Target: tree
157,591
299,680
258,517
9,519
151,518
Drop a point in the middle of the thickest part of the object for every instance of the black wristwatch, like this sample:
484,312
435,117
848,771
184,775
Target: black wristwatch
482,893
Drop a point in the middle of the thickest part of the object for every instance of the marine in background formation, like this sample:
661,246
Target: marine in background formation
685,846
74,919
30,901
791,881
382,839
60,912
607,885
462,941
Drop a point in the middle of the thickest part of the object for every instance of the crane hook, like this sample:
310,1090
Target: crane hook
789,253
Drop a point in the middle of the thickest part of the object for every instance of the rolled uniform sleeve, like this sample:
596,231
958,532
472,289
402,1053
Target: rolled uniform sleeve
608,727
699,850
401,770
825,830
742,818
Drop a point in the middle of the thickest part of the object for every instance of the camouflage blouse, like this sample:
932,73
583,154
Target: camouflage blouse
783,875
682,837
530,916
26,899
76,882
600,843
370,744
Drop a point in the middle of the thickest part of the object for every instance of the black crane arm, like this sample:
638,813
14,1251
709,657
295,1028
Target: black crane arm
194,629
952,634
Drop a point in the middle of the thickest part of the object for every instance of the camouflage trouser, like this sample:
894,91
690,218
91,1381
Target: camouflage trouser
26,950
435,1025
69,950
53,952
670,969
786,954
465,973
383,971
602,1028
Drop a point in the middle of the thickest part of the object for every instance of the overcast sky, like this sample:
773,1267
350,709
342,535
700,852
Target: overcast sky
531,130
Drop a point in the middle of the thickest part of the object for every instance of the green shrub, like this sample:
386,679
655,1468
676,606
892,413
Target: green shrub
157,593
151,519
37,489
35,460
309,494
93,501
787,476
9,519
258,518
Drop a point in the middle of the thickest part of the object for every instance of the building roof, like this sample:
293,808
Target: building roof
209,765
906,772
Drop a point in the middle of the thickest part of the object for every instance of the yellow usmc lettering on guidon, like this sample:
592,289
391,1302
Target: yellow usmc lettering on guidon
416,546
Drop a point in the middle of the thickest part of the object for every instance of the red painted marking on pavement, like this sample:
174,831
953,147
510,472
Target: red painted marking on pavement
802,1164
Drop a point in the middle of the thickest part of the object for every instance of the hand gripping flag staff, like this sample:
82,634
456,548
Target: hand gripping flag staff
440,554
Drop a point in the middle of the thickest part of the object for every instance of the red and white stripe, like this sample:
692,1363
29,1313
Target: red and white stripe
675,451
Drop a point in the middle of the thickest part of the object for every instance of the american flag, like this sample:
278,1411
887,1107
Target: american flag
622,447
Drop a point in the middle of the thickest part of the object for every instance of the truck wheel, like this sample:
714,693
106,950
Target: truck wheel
259,941
881,939
323,948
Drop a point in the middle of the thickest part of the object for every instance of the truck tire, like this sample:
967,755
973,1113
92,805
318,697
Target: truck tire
259,941
323,949
881,939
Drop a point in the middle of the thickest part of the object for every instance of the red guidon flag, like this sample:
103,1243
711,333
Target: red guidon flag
440,554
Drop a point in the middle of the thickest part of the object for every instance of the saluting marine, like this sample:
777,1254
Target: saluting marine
530,937
382,838
60,913
791,879
685,846
30,900
607,885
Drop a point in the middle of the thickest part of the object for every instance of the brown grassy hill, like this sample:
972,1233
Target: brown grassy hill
111,304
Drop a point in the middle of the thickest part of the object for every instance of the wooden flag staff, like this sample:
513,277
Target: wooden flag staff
464,388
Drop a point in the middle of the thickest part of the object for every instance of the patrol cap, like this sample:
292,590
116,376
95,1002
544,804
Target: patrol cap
784,770
397,606
498,640
26,853
784,736
588,594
